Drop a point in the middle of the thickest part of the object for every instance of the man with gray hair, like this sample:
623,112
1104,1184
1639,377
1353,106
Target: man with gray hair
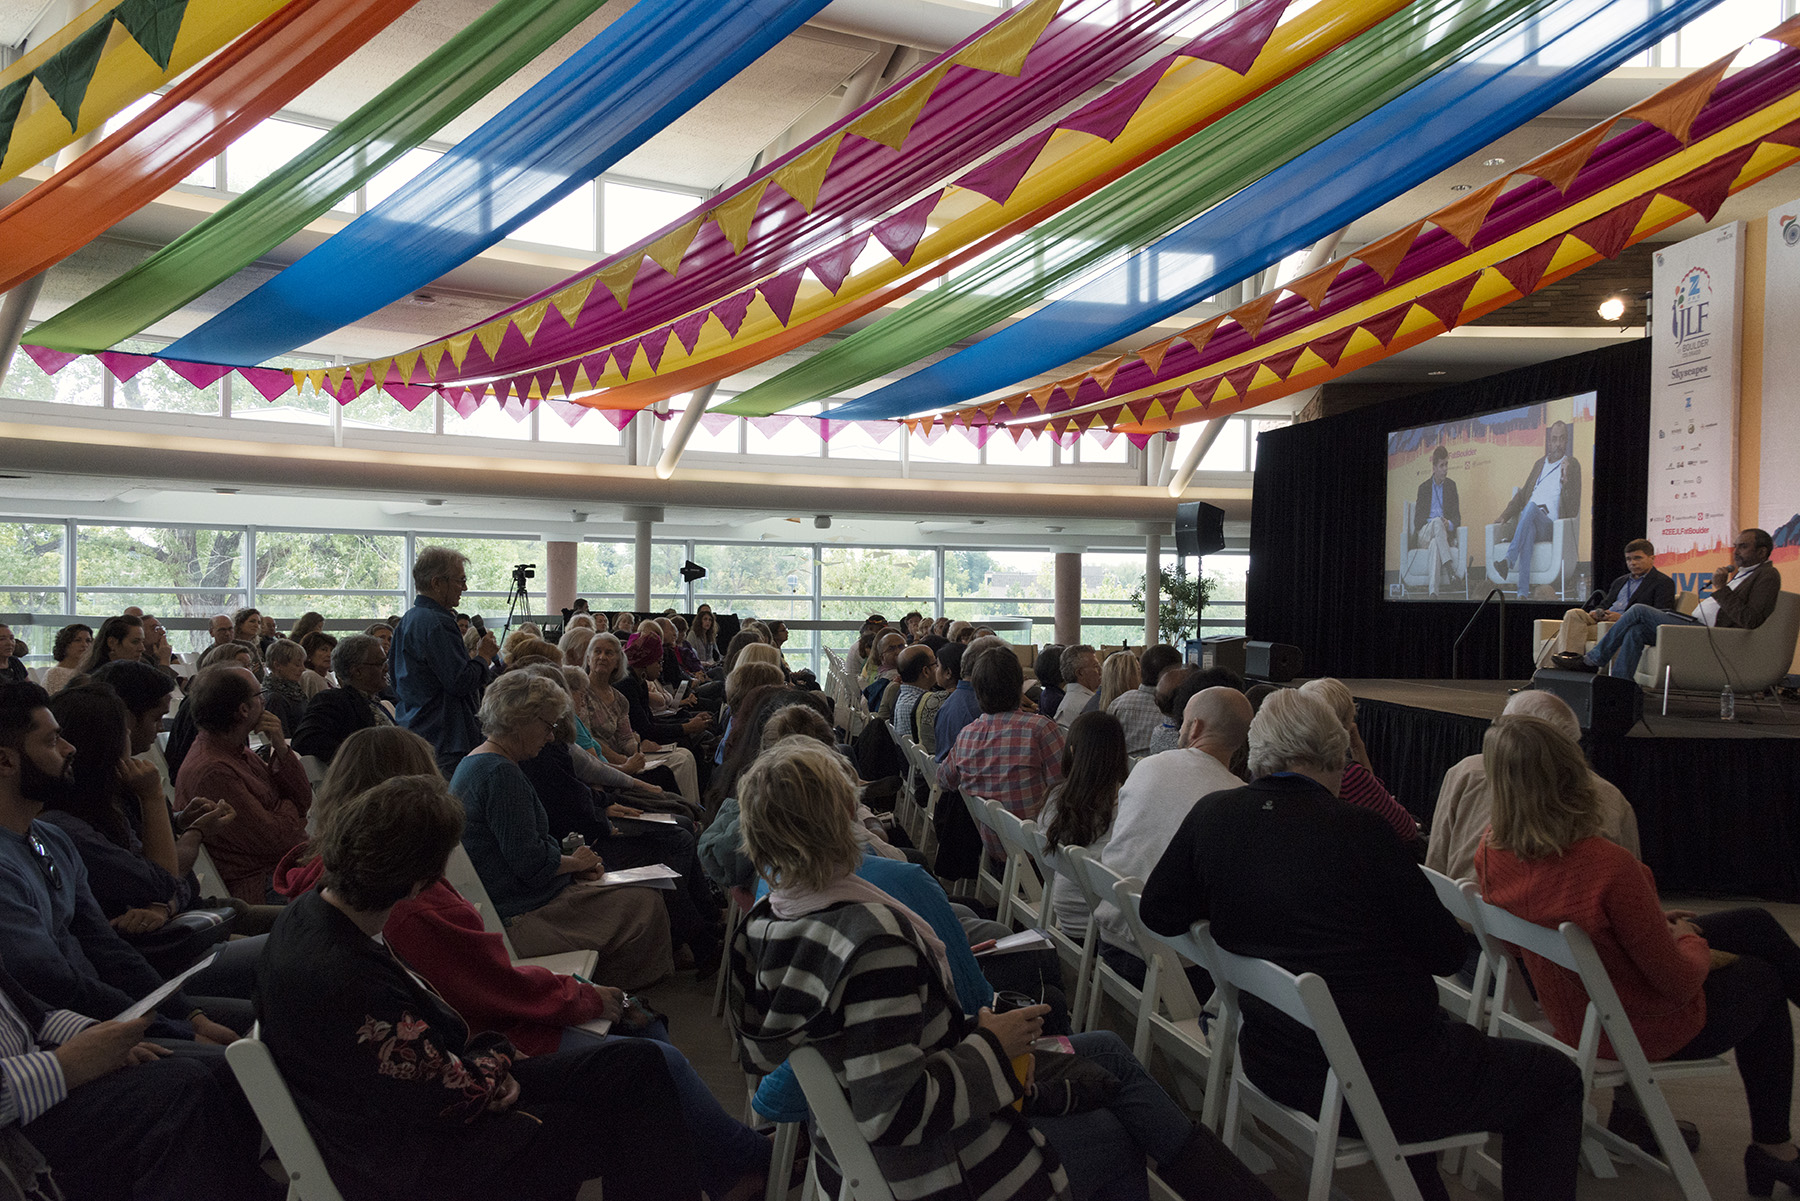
333,715
1461,817
1081,683
438,683
1284,871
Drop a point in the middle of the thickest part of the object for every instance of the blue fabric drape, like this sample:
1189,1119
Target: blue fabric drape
640,73
1444,119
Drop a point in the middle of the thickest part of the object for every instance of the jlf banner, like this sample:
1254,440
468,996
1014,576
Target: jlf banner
1778,499
1694,391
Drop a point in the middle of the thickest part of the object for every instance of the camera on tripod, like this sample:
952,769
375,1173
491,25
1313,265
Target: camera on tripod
523,572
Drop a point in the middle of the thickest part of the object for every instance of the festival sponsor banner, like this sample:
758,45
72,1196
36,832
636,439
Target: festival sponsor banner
1778,502
1695,339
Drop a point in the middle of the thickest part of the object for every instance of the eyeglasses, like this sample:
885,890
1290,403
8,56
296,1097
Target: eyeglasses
46,865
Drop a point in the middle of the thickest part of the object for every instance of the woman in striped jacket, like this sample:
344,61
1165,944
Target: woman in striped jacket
830,961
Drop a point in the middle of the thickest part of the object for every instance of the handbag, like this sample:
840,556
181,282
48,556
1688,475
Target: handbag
184,939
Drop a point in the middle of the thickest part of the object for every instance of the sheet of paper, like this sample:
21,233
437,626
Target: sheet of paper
158,996
598,1026
655,875
667,819
1024,940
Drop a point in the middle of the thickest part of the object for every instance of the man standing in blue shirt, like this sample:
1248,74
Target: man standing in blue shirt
439,685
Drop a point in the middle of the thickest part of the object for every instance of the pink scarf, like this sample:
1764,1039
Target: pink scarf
790,903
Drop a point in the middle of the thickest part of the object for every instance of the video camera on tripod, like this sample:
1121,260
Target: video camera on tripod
520,594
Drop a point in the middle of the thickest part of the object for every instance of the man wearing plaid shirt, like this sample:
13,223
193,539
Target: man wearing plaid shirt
1004,755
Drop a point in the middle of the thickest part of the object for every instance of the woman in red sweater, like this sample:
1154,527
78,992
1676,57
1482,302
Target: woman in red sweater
1692,986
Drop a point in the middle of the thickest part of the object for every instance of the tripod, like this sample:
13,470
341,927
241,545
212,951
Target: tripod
519,596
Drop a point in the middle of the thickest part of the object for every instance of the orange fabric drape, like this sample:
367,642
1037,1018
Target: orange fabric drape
242,85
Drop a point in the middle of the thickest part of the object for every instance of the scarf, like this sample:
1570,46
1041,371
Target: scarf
789,903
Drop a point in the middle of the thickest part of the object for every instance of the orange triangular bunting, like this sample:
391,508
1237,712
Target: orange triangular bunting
1104,373
1462,219
1559,167
1252,316
1312,286
1673,109
1384,254
1153,353
1198,336
1787,33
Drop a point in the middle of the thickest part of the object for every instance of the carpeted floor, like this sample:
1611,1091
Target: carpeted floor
1715,1104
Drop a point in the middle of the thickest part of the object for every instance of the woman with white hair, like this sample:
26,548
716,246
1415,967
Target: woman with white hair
550,900
574,643
1360,787
1286,872
607,714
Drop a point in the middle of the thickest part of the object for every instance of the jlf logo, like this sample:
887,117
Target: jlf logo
1693,304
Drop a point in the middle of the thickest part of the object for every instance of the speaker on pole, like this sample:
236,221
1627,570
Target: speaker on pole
1199,529
1604,705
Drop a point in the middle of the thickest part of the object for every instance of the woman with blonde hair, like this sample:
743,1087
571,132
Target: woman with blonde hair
1119,676
1691,985
830,961
550,900
1360,784
606,712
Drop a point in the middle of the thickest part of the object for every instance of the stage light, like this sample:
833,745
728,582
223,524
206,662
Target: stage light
1612,308
691,571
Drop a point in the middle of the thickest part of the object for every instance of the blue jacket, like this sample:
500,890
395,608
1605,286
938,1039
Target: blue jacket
958,710
439,685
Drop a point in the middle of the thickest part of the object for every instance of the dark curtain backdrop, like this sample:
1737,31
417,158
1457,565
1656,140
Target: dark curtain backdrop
1318,512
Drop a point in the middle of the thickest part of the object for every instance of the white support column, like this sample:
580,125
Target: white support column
684,429
1152,589
641,580
1067,597
1191,461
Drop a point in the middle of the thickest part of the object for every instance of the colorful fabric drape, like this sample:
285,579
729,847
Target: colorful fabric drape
66,86
644,70
1220,160
1583,201
946,114
1452,114
478,58
240,86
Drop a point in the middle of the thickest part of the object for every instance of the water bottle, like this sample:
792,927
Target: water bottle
1727,705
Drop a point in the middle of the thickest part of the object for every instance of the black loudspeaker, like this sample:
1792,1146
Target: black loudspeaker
1199,529
1223,650
1276,662
1607,706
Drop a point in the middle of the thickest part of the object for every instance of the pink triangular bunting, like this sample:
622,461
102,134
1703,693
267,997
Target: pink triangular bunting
731,310
620,418
771,425
780,292
997,177
122,365
881,431
716,423
655,342
200,375
270,382
833,267
570,413
1107,116
49,361
687,330
1237,41
901,232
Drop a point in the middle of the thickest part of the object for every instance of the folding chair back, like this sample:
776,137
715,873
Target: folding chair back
1459,898
1169,1015
1569,947
986,882
1072,950
460,872
831,1110
1021,894
308,1178
1307,1000
1101,978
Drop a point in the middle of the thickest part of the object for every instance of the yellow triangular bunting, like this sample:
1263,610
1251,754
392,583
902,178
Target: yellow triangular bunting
803,177
667,250
434,358
405,363
530,317
736,214
459,347
570,301
491,336
890,121
1003,49
618,277
334,376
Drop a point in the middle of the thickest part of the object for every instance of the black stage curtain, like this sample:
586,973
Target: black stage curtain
1318,512
1413,748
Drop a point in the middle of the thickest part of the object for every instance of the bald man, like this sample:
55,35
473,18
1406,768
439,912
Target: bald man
1463,802
899,704
1154,801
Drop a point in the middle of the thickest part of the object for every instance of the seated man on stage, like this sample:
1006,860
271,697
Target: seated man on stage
1642,584
1552,491
1436,514
1743,597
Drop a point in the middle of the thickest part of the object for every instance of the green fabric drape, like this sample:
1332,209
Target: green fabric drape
470,65
1291,118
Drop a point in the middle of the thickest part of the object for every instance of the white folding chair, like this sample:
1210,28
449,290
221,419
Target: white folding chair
461,873
315,769
927,768
831,1110
986,882
250,1061
1021,894
1170,1015
1307,1000
212,884
1459,897
1570,948
1101,979
906,802
1073,951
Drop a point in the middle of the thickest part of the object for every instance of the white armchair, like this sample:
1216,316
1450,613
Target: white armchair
1706,659
1552,562
1415,561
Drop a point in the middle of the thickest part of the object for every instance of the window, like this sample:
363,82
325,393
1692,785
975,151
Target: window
609,569
1031,450
1723,28
878,441
998,583
379,411
79,383
305,405
31,568
338,575
589,428
947,446
398,174
157,389
1097,447
718,435
569,222
491,563
171,571
735,571
265,149
783,434
487,421
631,213
857,580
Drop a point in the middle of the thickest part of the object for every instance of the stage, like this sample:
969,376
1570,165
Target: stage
1717,809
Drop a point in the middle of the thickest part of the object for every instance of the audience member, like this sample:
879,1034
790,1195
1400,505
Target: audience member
1137,710
220,628
59,946
1081,809
914,666
623,624
721,843
1360,786
318,646
282,693
574,643
266,633
1153,803
438,683
246,625
1119,676
1005,755
1283,871
270,799
403,1098
382,633
1081,683
550,901
12,668
944,680
962,707
607,714
157,651
69,650
643,661
828,951
335,714
1167,734
1464,807
1691,985
1048,671
703,636
734,648
309,623
119,637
